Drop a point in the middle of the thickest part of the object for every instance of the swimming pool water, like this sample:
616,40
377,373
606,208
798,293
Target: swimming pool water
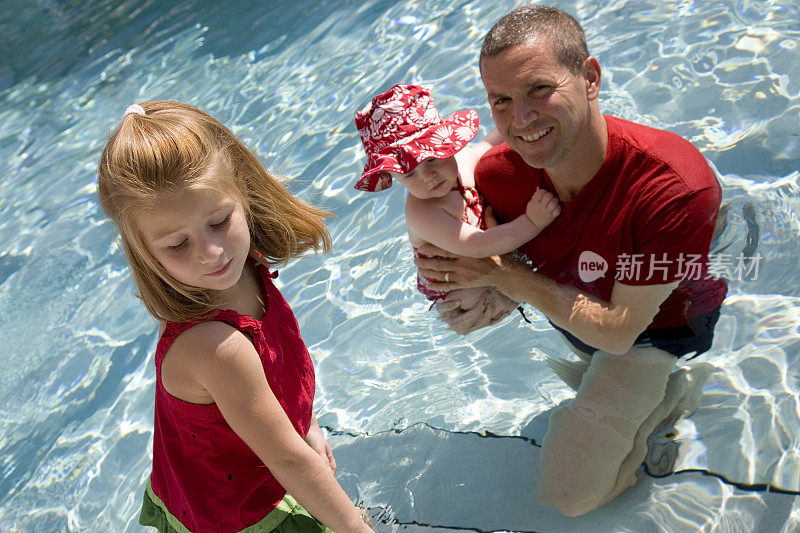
407,401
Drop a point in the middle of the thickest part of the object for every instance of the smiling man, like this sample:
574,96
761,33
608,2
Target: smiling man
622,273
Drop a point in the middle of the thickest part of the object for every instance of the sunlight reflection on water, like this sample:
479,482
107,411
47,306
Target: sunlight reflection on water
76,393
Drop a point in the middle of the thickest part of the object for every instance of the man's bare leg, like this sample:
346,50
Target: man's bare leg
592,435
681,398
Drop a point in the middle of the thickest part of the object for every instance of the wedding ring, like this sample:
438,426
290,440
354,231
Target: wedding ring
447,277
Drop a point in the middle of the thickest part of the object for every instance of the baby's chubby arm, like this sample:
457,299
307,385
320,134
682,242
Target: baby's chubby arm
226,364
429,221
542,209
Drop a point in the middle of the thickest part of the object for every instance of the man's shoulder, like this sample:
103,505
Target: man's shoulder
650,139
662,148
500,160
497,152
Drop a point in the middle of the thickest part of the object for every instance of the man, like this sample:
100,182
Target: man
621,273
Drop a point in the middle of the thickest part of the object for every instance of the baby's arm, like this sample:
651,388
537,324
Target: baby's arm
468,157
428,221
542,208
227,365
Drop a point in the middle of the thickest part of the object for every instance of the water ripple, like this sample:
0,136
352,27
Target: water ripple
288,81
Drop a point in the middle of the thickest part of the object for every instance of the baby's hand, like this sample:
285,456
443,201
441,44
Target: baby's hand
542,208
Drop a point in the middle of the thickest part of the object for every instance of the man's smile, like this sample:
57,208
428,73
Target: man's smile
537,135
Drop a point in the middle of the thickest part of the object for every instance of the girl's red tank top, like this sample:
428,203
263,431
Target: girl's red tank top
205,475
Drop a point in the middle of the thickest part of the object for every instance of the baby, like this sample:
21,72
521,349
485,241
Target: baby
406,139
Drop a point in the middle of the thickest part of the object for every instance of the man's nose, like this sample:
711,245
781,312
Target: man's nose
524,114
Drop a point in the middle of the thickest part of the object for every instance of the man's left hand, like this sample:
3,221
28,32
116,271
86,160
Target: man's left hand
490,308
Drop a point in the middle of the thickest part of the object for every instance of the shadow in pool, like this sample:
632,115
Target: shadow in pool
430,478
98,31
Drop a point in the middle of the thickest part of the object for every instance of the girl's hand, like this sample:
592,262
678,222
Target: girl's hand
367,518
315,439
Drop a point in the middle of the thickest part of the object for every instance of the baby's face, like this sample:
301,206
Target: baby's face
433,178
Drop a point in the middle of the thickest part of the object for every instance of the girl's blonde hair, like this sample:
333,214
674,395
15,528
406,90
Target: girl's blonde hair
169,148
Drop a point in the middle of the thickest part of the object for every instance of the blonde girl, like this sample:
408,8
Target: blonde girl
235,439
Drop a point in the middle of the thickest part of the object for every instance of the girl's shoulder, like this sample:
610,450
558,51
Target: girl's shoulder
204,335
198,353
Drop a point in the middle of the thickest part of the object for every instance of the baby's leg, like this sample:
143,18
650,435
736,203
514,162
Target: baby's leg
592,435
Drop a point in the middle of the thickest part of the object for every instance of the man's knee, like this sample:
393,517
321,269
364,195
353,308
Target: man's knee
572,479
569,505
571,496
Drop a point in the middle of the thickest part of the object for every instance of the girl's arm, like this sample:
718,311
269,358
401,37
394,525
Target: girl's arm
428,221
226,364
316,440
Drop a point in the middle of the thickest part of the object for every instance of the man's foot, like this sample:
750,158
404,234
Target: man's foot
662,451
684,390
570,372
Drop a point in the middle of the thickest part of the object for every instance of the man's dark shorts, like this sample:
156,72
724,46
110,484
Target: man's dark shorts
696,336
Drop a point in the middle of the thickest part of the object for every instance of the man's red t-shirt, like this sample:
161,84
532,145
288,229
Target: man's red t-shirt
645,218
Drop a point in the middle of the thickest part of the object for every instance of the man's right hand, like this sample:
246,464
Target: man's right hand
464,317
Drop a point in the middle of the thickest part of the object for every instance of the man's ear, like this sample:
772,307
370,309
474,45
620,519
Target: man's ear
590,72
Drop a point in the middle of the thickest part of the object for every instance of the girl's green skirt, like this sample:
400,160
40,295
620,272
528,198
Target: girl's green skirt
287,517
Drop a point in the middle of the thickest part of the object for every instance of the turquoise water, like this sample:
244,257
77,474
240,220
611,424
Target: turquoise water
406,401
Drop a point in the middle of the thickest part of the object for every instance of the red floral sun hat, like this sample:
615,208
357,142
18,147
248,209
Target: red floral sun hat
401,128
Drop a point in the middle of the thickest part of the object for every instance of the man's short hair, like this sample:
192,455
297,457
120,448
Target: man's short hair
524,23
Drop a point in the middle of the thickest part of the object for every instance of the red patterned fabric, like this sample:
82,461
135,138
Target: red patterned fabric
204,473
402,128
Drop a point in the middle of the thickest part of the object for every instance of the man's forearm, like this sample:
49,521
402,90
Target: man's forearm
592,320
611,326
